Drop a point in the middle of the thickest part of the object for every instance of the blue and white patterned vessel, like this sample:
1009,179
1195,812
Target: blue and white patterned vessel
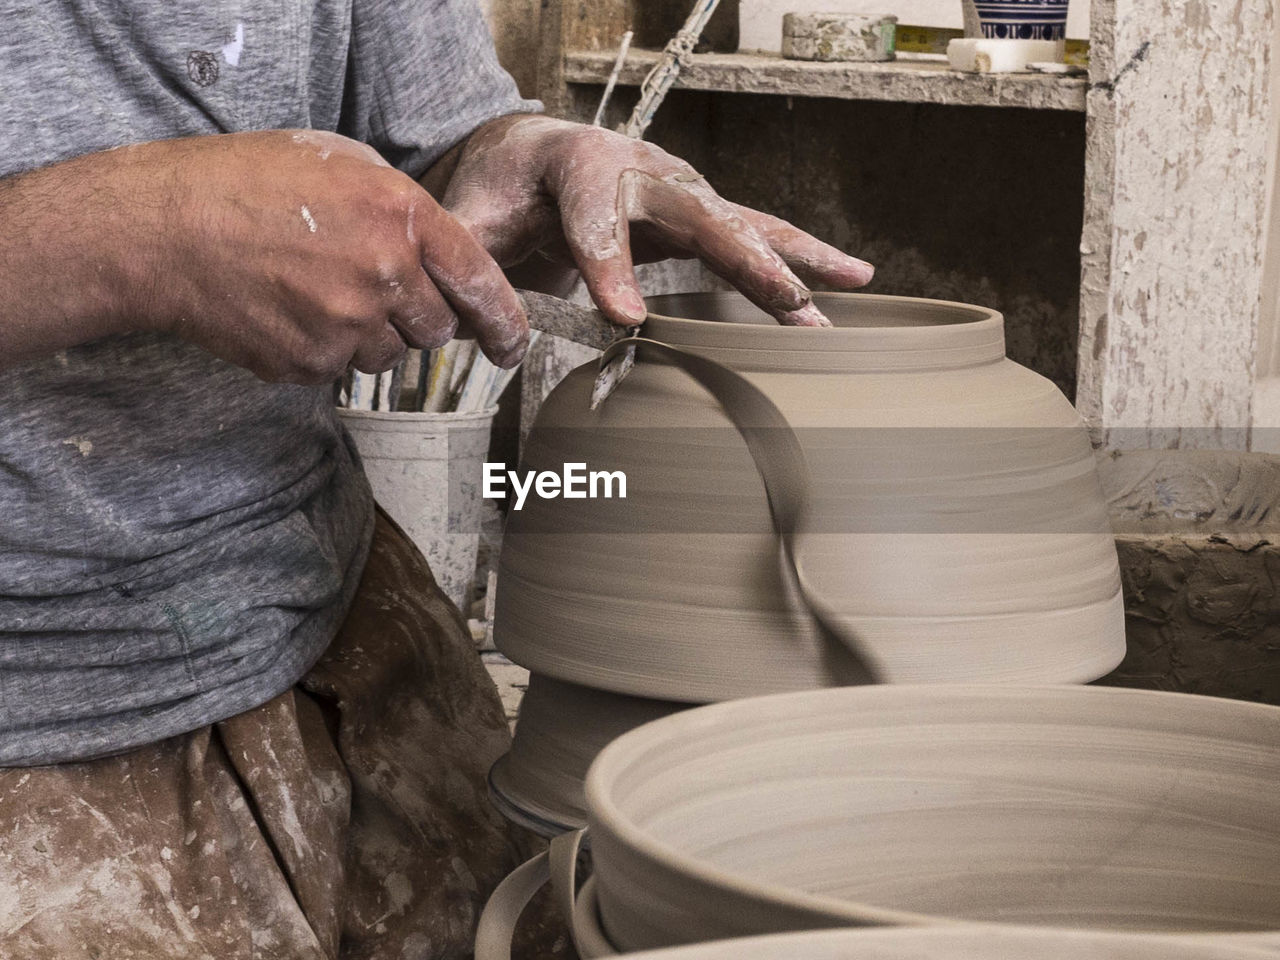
1023,19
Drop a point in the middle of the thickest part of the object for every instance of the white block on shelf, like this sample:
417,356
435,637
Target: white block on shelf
981,55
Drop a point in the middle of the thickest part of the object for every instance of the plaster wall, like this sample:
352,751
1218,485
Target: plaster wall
1198,534
1266,400
1179,119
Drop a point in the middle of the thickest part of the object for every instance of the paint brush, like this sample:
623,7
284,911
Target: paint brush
424,379
474,391
389,387
467,353
364,390
440,374
466,357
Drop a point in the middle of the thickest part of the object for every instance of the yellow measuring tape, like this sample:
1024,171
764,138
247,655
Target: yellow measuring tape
934,40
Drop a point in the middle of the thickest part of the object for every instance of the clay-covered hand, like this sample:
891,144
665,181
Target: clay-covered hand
310,253
291,253
605,202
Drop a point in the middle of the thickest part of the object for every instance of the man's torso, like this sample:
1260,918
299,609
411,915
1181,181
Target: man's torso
178,539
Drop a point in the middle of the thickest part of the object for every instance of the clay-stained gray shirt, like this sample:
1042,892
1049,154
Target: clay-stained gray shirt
178,540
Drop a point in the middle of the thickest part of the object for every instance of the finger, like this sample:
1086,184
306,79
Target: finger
420,312
471,281
596,230
693,215
380,351
807,316
809,257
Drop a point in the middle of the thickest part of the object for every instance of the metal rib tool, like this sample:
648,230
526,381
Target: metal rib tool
587,326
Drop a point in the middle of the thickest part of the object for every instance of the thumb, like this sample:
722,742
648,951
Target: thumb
472,282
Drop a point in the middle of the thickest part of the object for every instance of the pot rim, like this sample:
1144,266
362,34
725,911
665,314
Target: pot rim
914,333
602,811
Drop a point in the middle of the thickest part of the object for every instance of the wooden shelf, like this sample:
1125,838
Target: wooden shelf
907,81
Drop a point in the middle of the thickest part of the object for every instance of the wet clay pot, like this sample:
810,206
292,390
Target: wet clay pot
562,727
1060,806
956,524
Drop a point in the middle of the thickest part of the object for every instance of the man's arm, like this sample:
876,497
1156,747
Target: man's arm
291,253
73,257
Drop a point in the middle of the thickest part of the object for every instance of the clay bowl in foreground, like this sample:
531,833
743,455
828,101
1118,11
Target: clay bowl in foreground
1060,806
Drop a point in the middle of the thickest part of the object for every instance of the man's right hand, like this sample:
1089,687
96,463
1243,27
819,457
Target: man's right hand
291,253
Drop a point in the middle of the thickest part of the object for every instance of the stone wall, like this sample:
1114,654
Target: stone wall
1198,534
1202,615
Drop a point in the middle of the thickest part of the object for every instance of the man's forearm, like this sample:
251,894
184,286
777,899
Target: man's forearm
291,253
72,252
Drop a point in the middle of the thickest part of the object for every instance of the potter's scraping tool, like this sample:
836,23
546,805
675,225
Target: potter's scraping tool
613,370
584,325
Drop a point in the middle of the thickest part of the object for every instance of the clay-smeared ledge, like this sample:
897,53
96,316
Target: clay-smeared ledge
909,81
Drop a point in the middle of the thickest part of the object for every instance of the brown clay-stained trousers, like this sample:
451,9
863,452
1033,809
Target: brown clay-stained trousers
346,819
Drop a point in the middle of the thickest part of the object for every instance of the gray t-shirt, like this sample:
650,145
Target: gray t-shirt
178,540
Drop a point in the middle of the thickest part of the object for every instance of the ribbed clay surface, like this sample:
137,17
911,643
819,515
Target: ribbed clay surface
957,526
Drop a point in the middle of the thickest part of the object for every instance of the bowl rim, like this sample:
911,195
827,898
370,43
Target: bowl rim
966,336
972,313
602,811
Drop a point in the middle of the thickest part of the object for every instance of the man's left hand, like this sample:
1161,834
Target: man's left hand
603,202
